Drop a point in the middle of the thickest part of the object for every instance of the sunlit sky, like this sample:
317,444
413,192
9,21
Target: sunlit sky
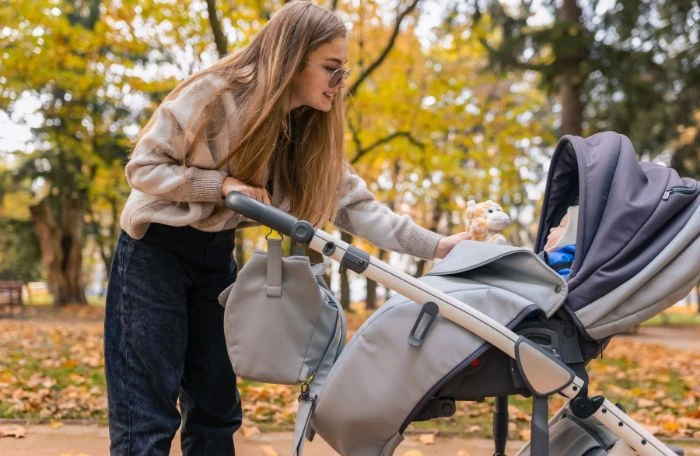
15,132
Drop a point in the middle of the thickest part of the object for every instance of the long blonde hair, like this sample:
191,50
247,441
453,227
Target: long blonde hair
306,144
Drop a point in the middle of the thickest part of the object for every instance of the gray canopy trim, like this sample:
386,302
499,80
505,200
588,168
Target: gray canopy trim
627,211
514,269
665,280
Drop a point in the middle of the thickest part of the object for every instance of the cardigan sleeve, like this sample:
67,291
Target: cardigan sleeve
361,214
157,165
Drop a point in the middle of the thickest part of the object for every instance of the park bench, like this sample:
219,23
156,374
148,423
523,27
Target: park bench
11,297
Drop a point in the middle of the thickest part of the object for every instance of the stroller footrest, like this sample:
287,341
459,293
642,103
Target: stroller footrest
543,373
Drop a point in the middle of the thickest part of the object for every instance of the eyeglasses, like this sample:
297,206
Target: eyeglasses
337,75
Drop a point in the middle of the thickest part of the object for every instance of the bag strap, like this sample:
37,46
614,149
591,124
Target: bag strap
313,385
318,270
274,267
301,426
309,397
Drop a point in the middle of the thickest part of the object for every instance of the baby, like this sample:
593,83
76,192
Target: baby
560,248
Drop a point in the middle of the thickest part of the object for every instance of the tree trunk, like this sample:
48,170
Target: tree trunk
571,106
105,242
344,280
422,263
569,81
371,301
216,29
59,228
239,249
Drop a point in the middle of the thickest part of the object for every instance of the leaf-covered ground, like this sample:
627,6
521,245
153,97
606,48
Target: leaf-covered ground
51,370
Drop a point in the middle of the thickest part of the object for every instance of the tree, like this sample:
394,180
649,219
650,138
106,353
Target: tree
56,164
429,129
75,59
631,67
366,70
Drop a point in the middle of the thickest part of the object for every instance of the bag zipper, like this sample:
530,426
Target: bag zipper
684,189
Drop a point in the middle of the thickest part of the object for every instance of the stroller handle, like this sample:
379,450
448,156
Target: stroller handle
299,230
543,372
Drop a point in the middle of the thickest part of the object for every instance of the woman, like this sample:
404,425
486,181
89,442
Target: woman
266,121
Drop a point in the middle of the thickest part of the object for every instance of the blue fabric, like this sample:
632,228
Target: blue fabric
164,340
561,259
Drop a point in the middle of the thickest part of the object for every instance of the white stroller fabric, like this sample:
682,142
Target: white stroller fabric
661,283
380,379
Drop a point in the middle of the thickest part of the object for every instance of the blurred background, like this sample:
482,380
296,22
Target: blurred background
448,101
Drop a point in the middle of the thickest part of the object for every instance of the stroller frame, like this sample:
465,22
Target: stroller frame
543,373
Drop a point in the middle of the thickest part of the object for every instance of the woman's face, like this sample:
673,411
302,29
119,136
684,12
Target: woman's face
310,87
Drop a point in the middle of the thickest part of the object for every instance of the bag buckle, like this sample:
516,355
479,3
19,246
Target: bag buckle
274,234
304,395
425,320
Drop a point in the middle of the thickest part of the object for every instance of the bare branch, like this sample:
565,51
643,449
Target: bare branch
389,46
509,59
355,139
361,152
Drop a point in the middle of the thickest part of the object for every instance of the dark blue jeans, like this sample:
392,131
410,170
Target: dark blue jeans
164,340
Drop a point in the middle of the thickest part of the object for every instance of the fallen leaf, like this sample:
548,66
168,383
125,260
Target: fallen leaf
427,439
13,431
269,451
249,431
525,434
642,403
55,424
671,426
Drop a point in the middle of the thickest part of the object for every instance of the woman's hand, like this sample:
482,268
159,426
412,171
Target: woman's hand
232,184
445,244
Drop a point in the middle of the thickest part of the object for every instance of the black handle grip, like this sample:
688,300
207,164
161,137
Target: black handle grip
299,230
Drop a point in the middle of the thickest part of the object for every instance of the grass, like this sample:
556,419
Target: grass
674,319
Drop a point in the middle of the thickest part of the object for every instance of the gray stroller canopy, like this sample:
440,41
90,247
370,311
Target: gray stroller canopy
637,221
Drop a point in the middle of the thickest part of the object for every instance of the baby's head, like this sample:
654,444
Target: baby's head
565,233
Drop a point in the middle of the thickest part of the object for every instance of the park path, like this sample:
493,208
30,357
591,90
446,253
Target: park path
73,440
678,337
93,441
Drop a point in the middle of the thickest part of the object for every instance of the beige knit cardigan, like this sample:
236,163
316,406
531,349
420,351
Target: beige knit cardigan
167,192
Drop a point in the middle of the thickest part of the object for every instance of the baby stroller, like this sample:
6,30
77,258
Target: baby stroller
493,321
